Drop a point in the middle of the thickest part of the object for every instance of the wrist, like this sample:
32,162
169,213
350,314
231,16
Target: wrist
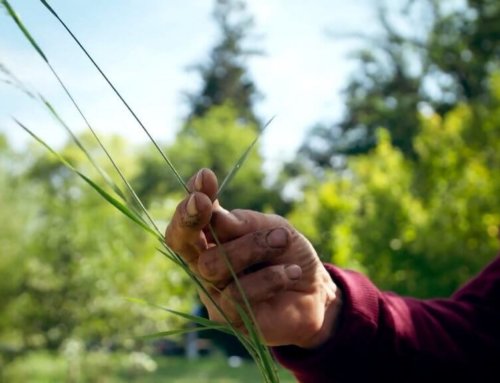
332,301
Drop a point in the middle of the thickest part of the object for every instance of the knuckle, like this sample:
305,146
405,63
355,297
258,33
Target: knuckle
241,215
259,249
208,266
232,292
259,238
274,278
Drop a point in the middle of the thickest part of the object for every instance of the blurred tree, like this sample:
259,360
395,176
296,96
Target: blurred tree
221,123
225,76
418,227
15,213
216,140
69,258
446,60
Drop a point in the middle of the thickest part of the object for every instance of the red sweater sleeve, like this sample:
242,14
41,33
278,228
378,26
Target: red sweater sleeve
383,337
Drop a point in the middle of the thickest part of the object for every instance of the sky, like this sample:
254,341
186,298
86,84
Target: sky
146,47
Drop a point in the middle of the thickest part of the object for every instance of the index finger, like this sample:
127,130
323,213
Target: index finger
204,181
184,233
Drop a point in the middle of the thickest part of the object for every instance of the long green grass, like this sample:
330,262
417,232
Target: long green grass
124,198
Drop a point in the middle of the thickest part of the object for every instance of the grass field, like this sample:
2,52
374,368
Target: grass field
99,367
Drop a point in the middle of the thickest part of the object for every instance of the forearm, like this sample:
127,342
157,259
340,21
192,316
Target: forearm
381,336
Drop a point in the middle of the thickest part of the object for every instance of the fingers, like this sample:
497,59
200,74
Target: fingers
184,232
204,181
234,224
259,286
252,249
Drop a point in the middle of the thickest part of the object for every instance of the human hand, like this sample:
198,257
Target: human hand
293,298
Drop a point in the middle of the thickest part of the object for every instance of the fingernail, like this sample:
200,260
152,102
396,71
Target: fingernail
293,272
198,181
191,208
277,238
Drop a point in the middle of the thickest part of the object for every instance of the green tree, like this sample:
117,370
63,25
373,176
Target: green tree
217,140
70,259
224,76
405,69
416,227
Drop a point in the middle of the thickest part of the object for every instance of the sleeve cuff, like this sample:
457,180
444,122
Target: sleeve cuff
356,330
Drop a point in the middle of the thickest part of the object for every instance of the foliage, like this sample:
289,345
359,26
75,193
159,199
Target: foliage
72,260
100,366
216,141
417,227
225,77
132,207
430,55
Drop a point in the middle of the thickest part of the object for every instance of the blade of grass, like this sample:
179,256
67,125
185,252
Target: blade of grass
134,115
225,327
164,334
15,82
251,328
241,160
137,219
37,97
194,318
170,254
248,317
108,197
34,44
21,26
77,141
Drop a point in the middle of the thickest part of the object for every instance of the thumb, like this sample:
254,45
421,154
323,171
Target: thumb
229,225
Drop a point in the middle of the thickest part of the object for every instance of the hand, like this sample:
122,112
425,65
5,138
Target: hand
293,298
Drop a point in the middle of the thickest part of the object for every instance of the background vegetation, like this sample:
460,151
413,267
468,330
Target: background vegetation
404,188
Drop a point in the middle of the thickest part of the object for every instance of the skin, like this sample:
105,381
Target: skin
293,298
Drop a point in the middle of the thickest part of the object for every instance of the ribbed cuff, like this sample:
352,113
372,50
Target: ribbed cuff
356,329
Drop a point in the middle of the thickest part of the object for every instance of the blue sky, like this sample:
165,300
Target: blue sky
145,48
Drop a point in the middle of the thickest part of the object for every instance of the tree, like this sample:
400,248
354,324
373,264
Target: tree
400,73
69,258
217,140
225,77
417,227
221,123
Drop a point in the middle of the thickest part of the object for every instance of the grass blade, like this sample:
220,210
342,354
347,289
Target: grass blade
23,29
134,115
13,81
77,141
241,160
108,197
30,38
263,356
205,323
193,318
254,342
171,255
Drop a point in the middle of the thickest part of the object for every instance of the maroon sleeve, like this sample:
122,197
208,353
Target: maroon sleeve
383,337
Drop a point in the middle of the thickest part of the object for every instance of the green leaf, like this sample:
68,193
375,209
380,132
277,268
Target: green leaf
134,115
108,197
75,104
234,170
194,318
23,29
